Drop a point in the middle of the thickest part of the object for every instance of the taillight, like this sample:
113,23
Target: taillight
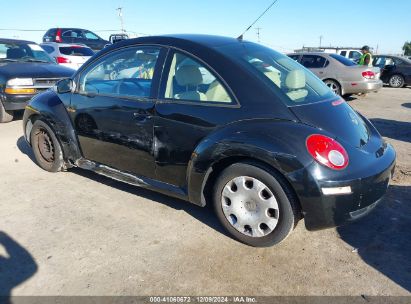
327,151
368,75
63,60
58,36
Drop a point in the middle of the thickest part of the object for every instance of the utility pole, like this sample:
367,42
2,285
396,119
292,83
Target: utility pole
321,39
120,14
258,33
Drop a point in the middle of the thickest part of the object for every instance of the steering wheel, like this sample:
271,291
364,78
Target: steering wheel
117,87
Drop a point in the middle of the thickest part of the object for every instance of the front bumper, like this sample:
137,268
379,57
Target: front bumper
16,102
368,186
356,87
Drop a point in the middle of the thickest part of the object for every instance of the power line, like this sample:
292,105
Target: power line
272,4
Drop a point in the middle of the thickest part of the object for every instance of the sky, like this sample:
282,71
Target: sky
289,25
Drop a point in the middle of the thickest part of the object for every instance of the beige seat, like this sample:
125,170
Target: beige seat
190,77
295,83
216,92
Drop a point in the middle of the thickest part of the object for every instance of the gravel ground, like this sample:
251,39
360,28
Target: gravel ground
77,233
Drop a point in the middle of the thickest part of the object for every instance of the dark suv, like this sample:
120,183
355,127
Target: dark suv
75,35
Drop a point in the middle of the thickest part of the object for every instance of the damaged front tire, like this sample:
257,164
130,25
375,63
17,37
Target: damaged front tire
46,147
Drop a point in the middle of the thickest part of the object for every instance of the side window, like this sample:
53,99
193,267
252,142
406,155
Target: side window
354,55
72,34
313,61
189,80
90,35
379,62
343,53
128,73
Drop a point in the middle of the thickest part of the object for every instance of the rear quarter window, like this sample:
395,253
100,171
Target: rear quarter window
287,77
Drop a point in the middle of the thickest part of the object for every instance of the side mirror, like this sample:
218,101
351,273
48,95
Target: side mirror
65,86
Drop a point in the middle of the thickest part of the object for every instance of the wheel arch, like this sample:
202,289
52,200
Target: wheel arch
218,167
51,110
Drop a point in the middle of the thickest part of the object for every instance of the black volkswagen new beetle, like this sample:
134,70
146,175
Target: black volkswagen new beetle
219,121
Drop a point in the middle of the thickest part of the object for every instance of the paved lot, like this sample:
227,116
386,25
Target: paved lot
76,233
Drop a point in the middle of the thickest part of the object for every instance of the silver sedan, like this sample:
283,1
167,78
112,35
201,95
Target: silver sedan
342,75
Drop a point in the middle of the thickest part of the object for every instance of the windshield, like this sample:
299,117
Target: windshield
343,60
22,52
297,84
76,51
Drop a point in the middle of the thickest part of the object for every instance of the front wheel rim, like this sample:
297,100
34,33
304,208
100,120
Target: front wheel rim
45,145
396,81
250,206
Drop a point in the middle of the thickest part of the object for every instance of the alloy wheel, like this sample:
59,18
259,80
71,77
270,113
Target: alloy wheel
396,81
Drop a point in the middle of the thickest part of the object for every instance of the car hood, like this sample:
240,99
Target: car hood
337,118
11,70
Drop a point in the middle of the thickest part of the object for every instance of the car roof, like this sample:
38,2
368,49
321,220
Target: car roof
16,41
210,41
311,53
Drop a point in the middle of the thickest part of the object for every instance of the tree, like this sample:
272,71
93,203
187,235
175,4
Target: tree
407,48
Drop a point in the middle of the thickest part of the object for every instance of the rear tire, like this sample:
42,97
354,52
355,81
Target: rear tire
46,147
396,81
334,86
5,116
260,214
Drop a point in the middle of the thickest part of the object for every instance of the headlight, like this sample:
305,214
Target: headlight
20,82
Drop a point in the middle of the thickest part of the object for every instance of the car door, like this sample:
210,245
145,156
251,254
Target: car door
316,64
193,102
113,107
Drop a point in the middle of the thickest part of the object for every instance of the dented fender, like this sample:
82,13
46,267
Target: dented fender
50,108
276,144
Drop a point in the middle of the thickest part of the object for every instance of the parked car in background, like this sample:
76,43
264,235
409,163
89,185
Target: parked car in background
25,70
70,55
220,121
353,54
343,76
76,36
395,70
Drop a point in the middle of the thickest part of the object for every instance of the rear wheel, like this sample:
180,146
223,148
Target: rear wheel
334,86
46,147
396,81
254,206
5,116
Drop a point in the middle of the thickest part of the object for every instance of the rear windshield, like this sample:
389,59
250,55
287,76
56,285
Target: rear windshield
76,51
293,81
343,60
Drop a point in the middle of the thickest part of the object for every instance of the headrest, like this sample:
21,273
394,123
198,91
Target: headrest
15,53
295,80
189,75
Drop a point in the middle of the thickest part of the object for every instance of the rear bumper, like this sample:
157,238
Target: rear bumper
324,211
355,87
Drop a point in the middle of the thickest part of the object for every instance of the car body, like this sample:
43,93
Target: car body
395,70
342,75
216,120
76,36
25,70
72,56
